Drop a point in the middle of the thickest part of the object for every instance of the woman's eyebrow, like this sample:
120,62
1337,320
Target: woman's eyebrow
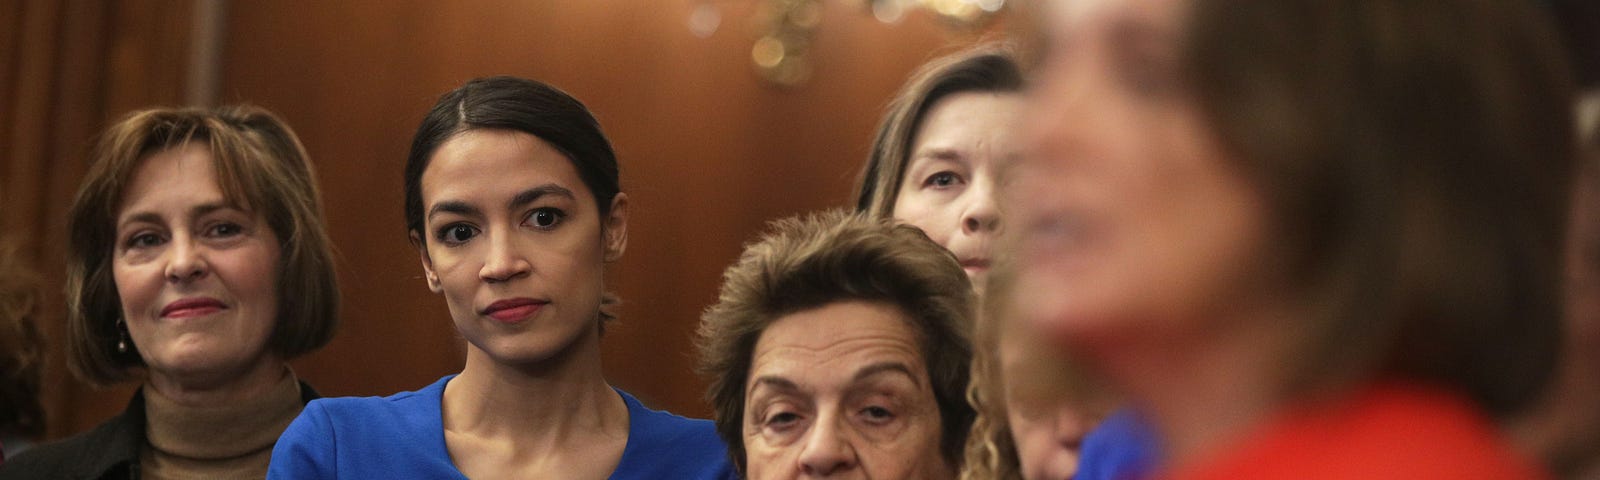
208,208
153,217
530,195
773,382
941,153
455,207
887,367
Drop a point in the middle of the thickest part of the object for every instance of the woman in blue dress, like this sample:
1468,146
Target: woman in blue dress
514,207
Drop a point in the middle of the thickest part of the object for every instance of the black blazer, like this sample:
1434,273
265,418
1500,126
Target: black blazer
110,451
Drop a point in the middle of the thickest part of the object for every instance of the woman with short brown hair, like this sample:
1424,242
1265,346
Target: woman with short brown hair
198,266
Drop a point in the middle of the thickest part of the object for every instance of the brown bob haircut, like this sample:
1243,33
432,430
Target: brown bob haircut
261,167
808,262
1417,159
985,68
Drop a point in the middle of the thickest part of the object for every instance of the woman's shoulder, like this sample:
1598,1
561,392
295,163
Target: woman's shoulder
1390,430
366,437
667,426
109,448
666,445
365,413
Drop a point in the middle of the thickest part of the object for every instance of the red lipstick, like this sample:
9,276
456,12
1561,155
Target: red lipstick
514,310
192,307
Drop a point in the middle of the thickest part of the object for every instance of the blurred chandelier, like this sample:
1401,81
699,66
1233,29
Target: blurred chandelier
781,53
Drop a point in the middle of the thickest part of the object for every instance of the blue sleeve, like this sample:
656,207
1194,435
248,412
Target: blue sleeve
306,449
1122,447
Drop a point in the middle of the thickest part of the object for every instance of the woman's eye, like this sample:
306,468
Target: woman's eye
456,234
782,419
226,230
545,218
144,240
877,414
941,180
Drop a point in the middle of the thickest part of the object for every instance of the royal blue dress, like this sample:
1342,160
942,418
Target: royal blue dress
402,436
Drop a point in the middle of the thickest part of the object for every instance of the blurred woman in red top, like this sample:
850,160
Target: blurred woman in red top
1310,239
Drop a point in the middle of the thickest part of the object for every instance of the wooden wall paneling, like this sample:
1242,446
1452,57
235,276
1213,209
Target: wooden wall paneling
71,68
710,152
43,49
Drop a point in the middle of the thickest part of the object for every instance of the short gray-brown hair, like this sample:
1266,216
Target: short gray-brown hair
812,261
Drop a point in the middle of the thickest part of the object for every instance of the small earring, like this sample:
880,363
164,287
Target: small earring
122,337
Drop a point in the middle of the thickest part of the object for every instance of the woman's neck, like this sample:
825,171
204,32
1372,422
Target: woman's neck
540,404
219,388
1205,395
1563,427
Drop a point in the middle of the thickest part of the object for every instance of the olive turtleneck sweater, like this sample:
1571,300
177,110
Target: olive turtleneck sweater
221,441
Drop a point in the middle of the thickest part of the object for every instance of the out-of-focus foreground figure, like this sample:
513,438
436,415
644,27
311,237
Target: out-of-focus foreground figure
1564,427
1311,239
1035,406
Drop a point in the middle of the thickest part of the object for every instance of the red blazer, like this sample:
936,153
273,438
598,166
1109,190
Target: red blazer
1390,430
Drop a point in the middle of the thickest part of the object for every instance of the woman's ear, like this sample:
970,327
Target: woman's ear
615,231
427,262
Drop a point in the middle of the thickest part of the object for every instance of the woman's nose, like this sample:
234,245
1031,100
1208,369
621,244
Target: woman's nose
503,261
827,451
981,214
186,261
1071,425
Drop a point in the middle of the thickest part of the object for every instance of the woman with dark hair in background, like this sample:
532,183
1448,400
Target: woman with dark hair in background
198,266
21,356
514,207
1308,239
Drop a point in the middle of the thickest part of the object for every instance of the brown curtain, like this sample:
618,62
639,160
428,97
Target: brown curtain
67,68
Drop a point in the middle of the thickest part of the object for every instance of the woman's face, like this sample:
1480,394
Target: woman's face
515,244
197,276
948,187
1132,222
1048,414
841,391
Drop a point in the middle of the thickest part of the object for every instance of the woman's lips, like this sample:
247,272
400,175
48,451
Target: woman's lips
514,310
192,307
975,265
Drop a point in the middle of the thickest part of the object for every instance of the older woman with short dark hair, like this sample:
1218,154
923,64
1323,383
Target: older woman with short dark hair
840,344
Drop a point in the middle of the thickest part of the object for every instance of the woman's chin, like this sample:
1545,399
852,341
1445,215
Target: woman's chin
530,348
199,368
